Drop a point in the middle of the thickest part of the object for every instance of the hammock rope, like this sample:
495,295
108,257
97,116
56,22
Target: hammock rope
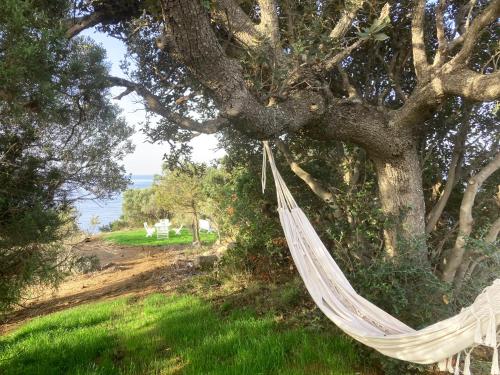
367,323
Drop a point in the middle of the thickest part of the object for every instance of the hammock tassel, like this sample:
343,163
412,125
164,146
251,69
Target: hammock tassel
495,369
457,365
442,364
449,365
491,339
467,362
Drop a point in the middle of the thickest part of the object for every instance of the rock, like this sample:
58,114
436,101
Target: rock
205,261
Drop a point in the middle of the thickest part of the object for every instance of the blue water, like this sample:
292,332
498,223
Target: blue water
107,210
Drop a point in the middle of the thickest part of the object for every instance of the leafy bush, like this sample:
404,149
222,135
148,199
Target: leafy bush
86,264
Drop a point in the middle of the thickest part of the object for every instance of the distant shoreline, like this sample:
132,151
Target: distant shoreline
107,210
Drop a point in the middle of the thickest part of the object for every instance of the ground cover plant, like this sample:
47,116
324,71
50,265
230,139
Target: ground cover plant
170,335
137,237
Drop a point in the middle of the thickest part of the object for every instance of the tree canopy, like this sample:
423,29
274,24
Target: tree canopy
60,139
405,82
384,110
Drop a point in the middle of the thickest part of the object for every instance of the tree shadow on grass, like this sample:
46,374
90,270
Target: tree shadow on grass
172,335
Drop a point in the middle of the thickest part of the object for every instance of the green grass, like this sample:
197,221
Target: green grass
137,237
170,335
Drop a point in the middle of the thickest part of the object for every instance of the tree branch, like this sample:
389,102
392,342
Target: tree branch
313,184
473,32
456,160
77,25
418,42
237,22
440,56
468,266
463,82
343,25
269,23
153,103
471,85
331,62
456,255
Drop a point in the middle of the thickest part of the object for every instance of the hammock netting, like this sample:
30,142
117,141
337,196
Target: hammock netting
443,342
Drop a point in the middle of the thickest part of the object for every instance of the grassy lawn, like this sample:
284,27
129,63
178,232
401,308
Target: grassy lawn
169,335
137,237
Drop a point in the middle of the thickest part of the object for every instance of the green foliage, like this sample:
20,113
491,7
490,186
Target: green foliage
170,335
86,264
260,243
59,136
375,30
138,207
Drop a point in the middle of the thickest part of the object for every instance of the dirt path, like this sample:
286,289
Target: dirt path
124,271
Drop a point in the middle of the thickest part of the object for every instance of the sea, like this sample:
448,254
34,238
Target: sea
107,210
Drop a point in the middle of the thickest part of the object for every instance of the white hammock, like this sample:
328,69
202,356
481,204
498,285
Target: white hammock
359,318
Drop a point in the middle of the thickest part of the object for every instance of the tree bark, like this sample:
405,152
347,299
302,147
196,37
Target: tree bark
196,227
402,199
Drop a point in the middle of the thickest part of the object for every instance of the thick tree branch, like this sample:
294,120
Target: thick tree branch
471,85
456,255
77,25
418,42
237,22
192,42
344,24
153,103
269,23
462,82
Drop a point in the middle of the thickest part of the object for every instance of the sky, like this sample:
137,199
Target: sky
147,157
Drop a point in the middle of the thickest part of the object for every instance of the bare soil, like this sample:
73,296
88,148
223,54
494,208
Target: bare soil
124,270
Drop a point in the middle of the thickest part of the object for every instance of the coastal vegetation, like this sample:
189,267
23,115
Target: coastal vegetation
383,119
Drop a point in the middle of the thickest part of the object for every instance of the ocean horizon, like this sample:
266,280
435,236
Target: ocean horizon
107,210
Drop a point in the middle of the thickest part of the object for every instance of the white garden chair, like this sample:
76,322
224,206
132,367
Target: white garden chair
178,230
204,225
149,230
162,228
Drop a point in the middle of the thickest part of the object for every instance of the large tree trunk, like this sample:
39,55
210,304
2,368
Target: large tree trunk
402,199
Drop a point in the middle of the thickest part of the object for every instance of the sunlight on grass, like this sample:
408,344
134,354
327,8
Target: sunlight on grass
169,335
137,237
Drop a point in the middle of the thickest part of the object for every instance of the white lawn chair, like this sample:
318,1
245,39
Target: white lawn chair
149,230
162,228
204,225
178,230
